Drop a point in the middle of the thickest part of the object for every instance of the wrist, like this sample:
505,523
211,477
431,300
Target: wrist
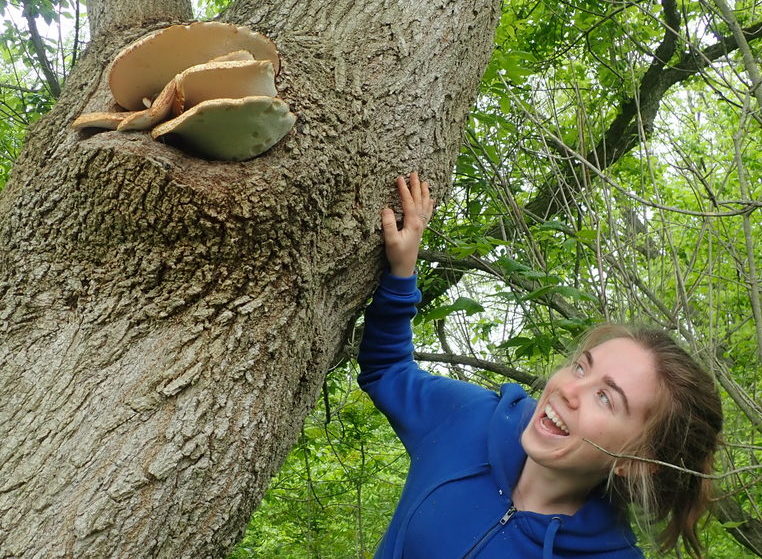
402,271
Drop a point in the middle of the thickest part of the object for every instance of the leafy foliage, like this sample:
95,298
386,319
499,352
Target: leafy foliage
25,94
333,496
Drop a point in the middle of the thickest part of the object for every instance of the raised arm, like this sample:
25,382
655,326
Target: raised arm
414,401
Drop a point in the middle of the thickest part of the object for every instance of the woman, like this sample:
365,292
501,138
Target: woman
500,475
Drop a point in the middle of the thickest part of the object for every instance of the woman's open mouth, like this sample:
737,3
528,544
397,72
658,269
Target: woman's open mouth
552,423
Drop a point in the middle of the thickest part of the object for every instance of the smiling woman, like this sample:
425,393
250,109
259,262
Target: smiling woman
495,476
606,395
683,429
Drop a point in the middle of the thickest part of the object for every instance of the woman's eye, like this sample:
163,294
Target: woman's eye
604,398
578,369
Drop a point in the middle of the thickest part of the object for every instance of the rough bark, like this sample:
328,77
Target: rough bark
109,16
165,321
746,529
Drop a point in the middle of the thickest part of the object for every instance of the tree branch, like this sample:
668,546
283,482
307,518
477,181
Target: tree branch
743,184
534,382
475,263
39,51
77,23
691,65
703,475
748,57
624,132
18,88
745,529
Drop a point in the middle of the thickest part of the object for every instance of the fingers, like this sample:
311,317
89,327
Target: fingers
415,189
416,198
402,244
405,197
388,223
426,197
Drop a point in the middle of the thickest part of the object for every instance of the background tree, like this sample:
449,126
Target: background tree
167,321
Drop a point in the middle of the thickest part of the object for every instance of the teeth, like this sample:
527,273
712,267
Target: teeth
555,419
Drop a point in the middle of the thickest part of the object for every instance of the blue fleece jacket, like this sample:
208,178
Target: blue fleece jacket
465,458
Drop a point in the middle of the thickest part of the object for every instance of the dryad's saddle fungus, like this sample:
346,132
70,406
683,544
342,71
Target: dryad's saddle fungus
218,82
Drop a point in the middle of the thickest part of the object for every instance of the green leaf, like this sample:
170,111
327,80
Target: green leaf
518,341
517,66
539,293
574,293
461,304
510,266
506,295
586,235
563,290
573,325
532,274
728,525
554,226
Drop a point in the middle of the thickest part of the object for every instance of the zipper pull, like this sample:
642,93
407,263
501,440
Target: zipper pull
508,515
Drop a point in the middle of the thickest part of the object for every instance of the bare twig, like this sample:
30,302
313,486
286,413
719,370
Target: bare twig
476,263
748,206
751,256
18,88
77,23
723,475
442,335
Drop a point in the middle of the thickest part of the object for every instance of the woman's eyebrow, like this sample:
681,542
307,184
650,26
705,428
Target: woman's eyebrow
589,357
610,382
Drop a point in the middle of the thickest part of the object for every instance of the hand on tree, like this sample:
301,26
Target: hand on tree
402,245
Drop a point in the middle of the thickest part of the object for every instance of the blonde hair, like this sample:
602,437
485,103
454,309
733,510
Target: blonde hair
683,429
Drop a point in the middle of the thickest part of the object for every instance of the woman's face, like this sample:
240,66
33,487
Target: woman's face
605,396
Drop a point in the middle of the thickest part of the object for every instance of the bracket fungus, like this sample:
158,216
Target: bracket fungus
218,82
231,129
231,79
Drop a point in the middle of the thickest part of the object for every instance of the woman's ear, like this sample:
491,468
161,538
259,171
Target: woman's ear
622,469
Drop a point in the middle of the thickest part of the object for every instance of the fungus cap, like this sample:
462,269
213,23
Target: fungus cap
223,80
110,121
232,129
159,111
143,68
237,55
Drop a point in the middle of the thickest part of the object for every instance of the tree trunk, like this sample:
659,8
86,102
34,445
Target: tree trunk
166,321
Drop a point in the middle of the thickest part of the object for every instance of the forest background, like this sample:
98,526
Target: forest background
609,171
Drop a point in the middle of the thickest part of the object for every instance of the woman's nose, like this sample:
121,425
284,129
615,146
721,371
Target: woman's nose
570,392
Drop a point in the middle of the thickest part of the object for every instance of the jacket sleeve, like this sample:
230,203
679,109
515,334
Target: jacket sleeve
414,401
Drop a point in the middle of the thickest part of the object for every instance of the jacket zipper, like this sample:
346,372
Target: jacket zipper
491,532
